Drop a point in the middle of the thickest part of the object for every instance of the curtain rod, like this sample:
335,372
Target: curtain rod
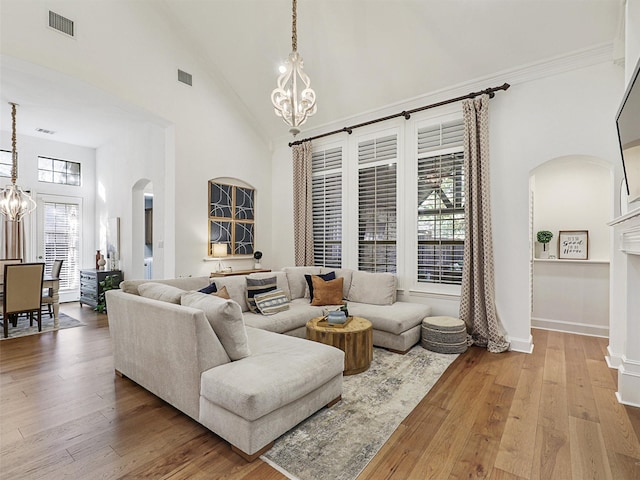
406,114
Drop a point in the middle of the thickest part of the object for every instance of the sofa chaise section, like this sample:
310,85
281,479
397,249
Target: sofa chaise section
285,380
174,352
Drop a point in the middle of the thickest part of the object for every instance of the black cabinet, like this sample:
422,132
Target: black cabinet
90,289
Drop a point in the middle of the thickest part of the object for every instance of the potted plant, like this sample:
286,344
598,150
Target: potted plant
110,282
257,255
544,237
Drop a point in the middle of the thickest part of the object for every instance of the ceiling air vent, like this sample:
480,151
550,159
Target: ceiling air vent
44,130
185,77
60,23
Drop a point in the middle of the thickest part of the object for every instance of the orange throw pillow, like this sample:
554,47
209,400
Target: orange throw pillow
222,293
327,292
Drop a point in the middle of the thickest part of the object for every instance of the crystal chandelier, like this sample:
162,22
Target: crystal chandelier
14,202
294,100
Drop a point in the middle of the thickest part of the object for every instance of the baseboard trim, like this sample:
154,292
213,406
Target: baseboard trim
629,383
570,327
521,345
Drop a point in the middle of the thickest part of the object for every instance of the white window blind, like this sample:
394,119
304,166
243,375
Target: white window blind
327,207
441,229
62,241
377,216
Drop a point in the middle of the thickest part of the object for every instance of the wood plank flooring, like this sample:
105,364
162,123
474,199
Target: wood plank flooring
549,415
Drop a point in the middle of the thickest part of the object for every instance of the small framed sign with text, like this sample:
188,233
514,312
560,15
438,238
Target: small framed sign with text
573,244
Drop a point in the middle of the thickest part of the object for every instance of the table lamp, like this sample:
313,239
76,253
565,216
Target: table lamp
219,250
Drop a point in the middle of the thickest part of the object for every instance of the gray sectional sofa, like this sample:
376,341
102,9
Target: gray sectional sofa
244,375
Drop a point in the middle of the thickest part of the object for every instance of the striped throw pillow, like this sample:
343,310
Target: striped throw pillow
272,302
256,286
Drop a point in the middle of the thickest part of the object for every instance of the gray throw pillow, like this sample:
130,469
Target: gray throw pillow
225,317
256,286
160,291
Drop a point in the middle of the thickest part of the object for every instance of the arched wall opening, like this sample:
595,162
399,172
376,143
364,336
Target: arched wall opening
571,194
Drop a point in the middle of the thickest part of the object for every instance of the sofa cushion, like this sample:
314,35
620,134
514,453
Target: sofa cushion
297,284
324,276
270,303
280,370
373,288
345,273
159,291
299,313
256,286
395,319
327,292
236,287
225,317
185,283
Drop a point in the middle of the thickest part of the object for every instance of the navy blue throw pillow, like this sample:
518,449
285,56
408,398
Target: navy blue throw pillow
324,276
211,288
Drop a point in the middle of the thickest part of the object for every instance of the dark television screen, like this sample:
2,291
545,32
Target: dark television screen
628,123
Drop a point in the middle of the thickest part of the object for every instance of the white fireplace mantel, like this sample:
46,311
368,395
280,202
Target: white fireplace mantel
624,329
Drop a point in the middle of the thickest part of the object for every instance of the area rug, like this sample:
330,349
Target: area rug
23,327
337,443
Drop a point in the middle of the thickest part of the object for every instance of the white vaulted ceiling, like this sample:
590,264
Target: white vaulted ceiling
366,54
362,54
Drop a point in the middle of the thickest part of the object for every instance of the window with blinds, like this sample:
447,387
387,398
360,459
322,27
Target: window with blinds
62,241
441,223
377,215
327,207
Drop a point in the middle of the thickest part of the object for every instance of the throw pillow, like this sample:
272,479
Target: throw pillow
211,288
160,291
222,293
327,292
225,317
324,276
272,302
255,286
374,288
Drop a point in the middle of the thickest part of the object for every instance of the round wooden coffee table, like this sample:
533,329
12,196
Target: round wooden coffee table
355,340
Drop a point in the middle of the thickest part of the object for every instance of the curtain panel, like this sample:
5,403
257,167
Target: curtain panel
302,204
477,301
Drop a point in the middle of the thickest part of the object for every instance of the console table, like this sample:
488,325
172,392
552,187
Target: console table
238,272
90,289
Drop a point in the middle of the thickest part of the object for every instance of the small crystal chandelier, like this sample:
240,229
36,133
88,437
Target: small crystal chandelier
14,202
291,103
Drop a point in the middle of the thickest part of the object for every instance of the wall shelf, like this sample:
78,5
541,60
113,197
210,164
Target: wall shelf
565,260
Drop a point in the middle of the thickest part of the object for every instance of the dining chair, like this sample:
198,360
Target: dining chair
7,261
47,293
22,289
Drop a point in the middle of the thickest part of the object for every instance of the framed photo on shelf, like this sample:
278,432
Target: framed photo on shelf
573,244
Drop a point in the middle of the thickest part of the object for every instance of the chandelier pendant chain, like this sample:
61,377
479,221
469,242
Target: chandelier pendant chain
294,100
14,150
294,27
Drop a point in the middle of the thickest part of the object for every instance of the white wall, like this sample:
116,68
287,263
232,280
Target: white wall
29,148
206,133
569,113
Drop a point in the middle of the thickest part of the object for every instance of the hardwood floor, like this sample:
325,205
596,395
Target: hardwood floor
548,415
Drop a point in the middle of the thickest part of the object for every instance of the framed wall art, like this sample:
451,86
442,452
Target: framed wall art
573,244
231,218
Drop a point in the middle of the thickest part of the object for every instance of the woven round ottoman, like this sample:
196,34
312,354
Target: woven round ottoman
444,335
